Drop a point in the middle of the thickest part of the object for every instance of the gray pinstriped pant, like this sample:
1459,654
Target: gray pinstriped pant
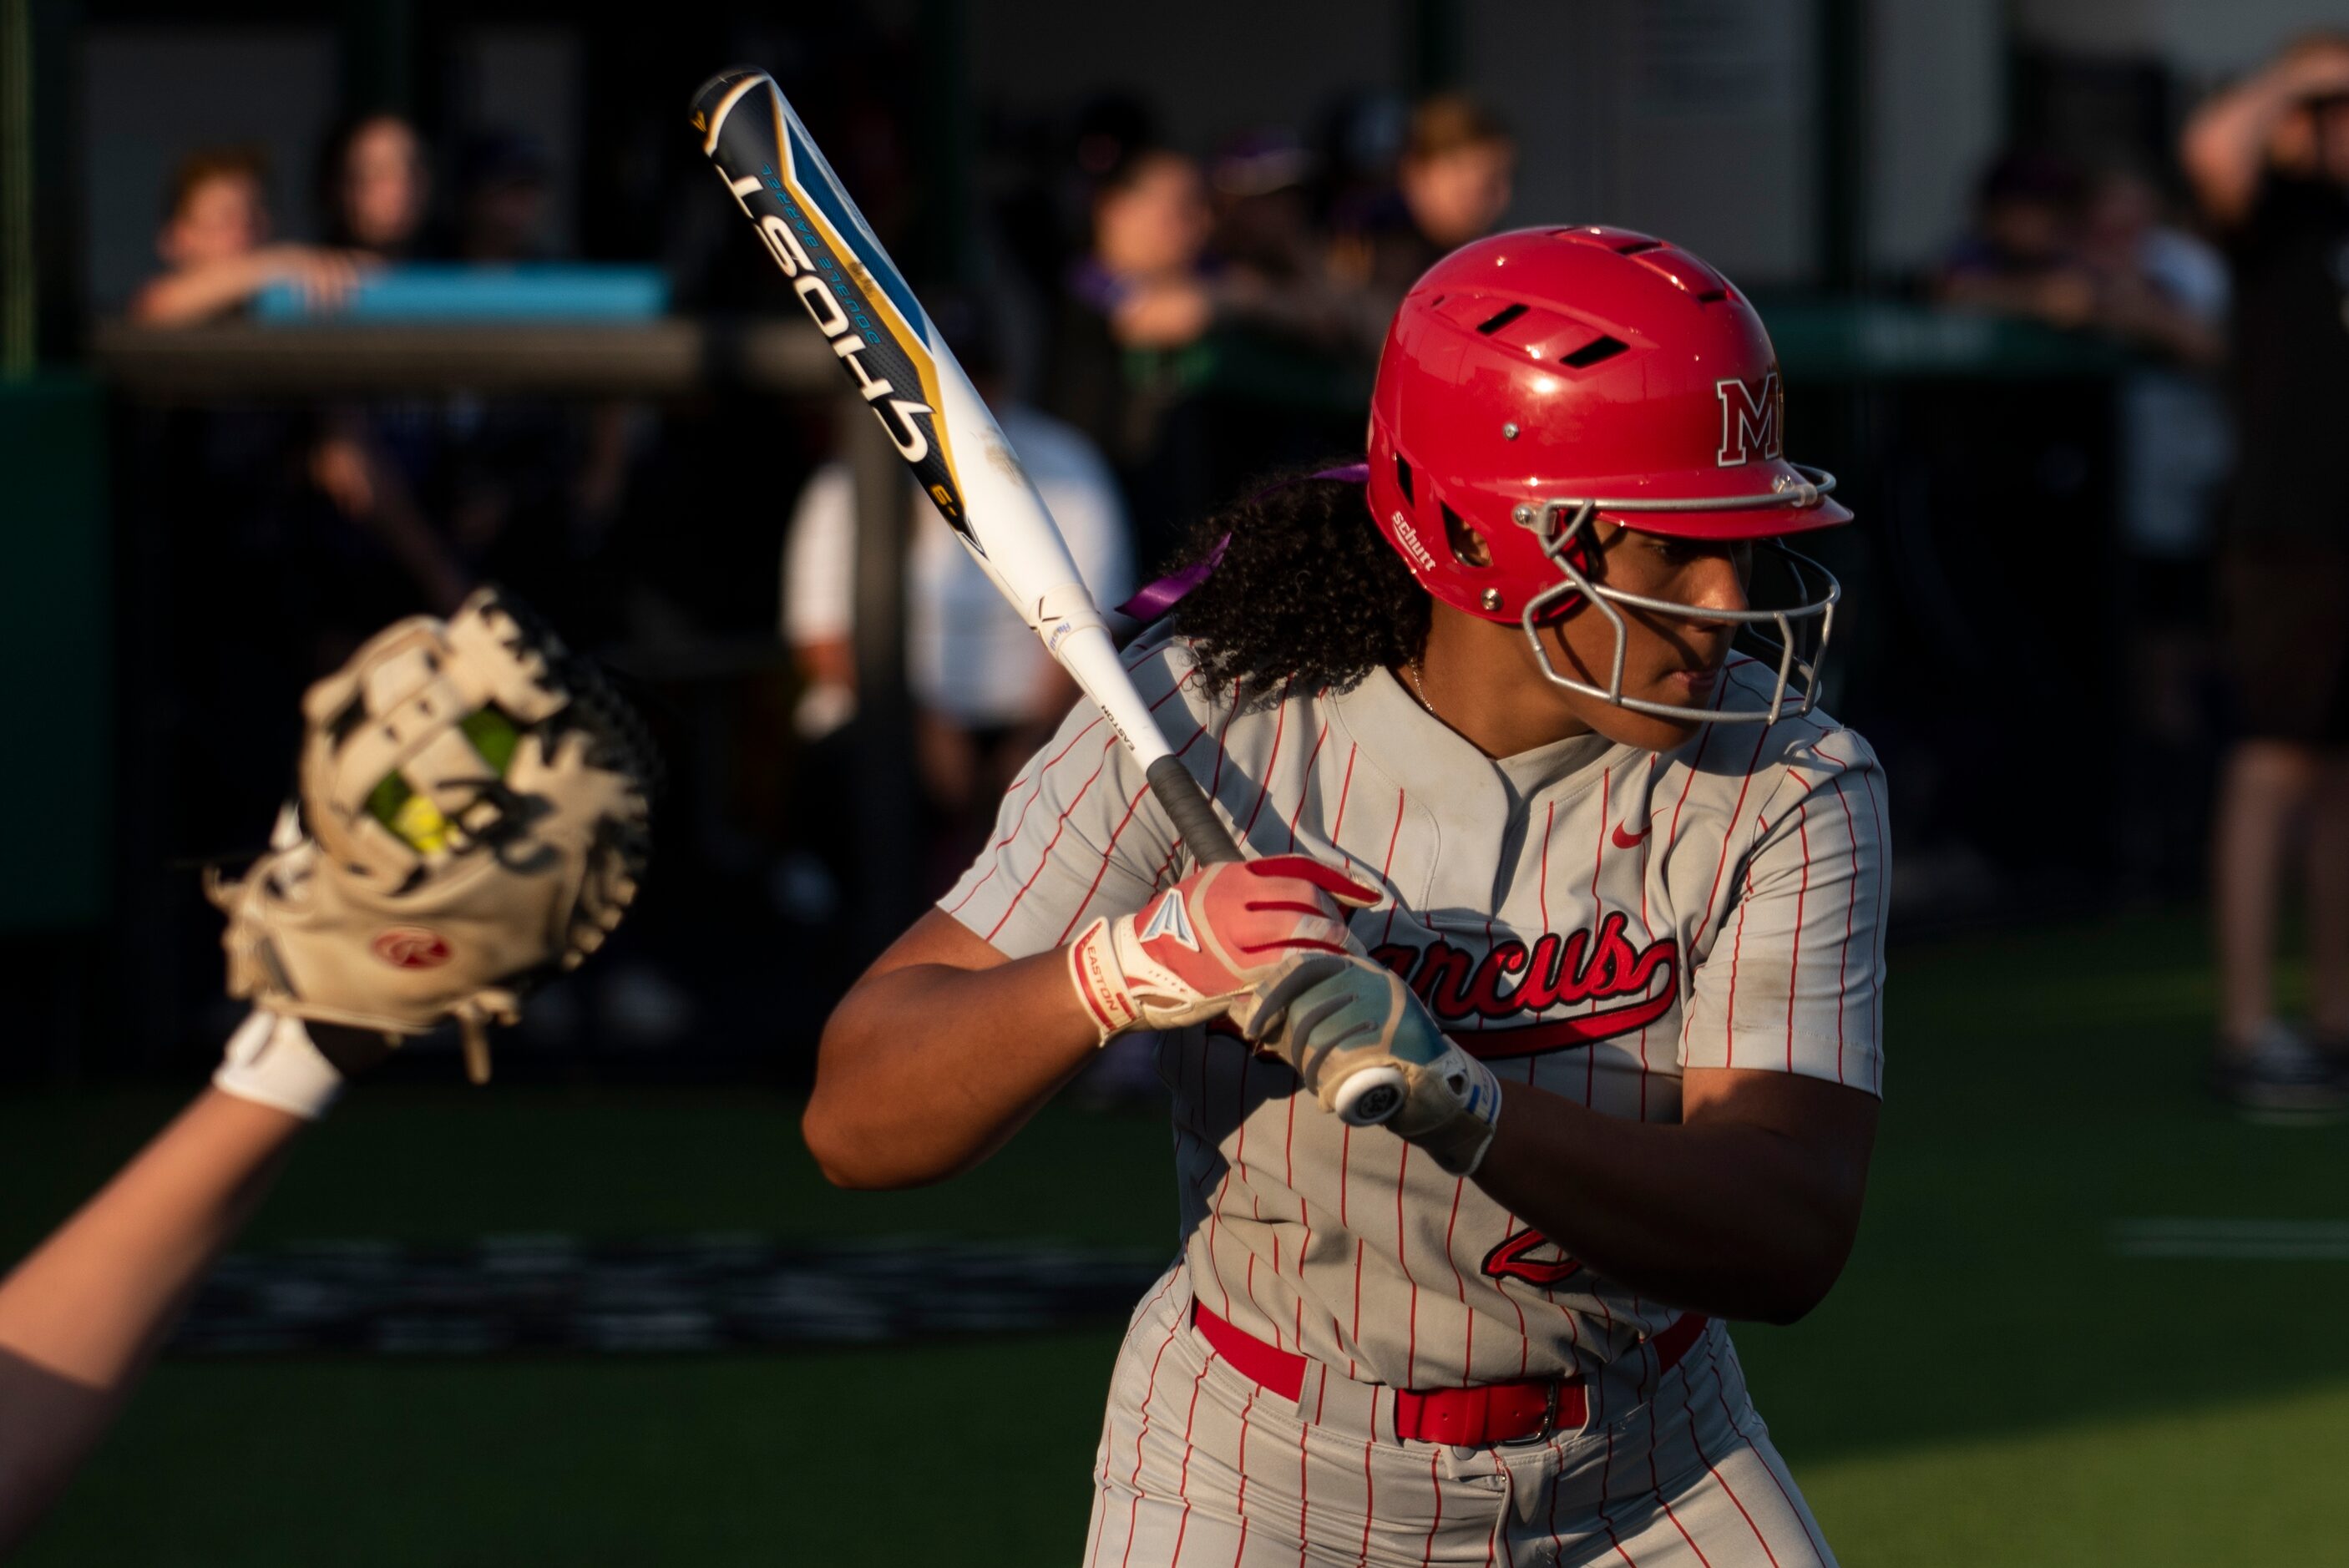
1199,1465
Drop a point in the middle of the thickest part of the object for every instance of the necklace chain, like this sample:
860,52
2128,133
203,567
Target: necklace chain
1419,686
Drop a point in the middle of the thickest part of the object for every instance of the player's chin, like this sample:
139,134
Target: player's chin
1647,731
1656,731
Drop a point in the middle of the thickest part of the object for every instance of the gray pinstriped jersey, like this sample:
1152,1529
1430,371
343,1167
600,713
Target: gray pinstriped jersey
1587,917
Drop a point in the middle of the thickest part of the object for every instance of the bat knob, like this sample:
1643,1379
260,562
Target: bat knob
1370,1097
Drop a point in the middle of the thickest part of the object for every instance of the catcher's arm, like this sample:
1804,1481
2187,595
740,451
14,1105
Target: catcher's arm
85,1313
81,1317
484,740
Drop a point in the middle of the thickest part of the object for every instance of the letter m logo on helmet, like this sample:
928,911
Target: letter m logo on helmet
1751,425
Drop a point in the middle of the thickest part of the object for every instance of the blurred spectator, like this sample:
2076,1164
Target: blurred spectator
1273,271
501,198
1264,214
2163,292
2156,286
1360,139
372,461
2269,159
1136,296
1457,174
375,187
2021,257
986,693
1151,225
1453,180
215,243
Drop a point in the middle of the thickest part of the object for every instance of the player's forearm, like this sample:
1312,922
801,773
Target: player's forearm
1731,1219
81,1315
927,1069
94,1297
199,293
2225,144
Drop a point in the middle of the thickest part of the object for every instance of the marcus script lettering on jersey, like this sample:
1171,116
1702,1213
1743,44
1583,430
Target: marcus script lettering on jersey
1583,966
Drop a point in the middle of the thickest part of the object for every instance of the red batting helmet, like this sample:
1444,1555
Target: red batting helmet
1535,379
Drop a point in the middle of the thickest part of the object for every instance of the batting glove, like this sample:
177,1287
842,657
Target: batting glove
1201,949
1333,1017
298,1068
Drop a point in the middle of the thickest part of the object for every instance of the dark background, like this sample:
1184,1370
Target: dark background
2010,1373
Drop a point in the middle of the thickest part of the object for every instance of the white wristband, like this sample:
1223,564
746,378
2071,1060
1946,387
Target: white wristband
272,1061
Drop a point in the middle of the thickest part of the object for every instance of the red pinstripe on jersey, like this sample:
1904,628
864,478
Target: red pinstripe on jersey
1215,1208
1239,1163
1264,788
1460,1282
1729,1013
1850,907
1647,929
1304,1218
1597,911
1356,1335
1818,1547
1388,866
1240,1504
1396,902
1046,858
1729,829
1223,749
1403,1261
1875,816
1656,1490
1794,962
1134,1481
1305,790
1109,851
1883,836
1183,1481
1133,659
1304,1490
1435,1485
1061,826
1017,822
1550,823
1688,1409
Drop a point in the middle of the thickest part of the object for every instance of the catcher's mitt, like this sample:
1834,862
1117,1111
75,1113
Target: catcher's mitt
476,806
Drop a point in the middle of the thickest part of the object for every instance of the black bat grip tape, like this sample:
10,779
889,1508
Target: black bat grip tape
1193,814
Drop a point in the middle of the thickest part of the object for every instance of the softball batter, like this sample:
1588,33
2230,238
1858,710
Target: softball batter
1522,824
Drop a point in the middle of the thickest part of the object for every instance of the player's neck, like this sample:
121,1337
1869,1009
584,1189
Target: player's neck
1481,680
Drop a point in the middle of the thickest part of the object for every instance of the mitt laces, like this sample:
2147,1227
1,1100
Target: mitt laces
1797,650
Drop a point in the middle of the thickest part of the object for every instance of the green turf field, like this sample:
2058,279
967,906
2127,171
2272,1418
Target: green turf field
1989,1384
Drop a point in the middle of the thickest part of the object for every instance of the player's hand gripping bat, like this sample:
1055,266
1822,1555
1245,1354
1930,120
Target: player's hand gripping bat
888,347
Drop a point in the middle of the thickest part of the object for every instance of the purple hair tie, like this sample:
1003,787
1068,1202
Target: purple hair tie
1154,599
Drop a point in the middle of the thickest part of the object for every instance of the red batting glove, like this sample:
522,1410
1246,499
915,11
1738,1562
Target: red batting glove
1199,950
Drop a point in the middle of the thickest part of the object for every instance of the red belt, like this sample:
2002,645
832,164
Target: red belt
1489,1413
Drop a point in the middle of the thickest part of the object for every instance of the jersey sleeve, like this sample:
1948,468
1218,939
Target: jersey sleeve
1078,834
1794,979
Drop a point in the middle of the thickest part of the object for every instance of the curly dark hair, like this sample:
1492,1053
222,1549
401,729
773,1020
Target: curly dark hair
1306,591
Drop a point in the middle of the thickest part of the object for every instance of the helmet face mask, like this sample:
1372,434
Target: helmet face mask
1562,527
1537,380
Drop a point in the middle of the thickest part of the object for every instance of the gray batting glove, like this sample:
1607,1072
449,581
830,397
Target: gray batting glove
1331,1016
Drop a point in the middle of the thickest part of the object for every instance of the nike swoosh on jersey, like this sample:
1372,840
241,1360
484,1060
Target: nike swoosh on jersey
1624,841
